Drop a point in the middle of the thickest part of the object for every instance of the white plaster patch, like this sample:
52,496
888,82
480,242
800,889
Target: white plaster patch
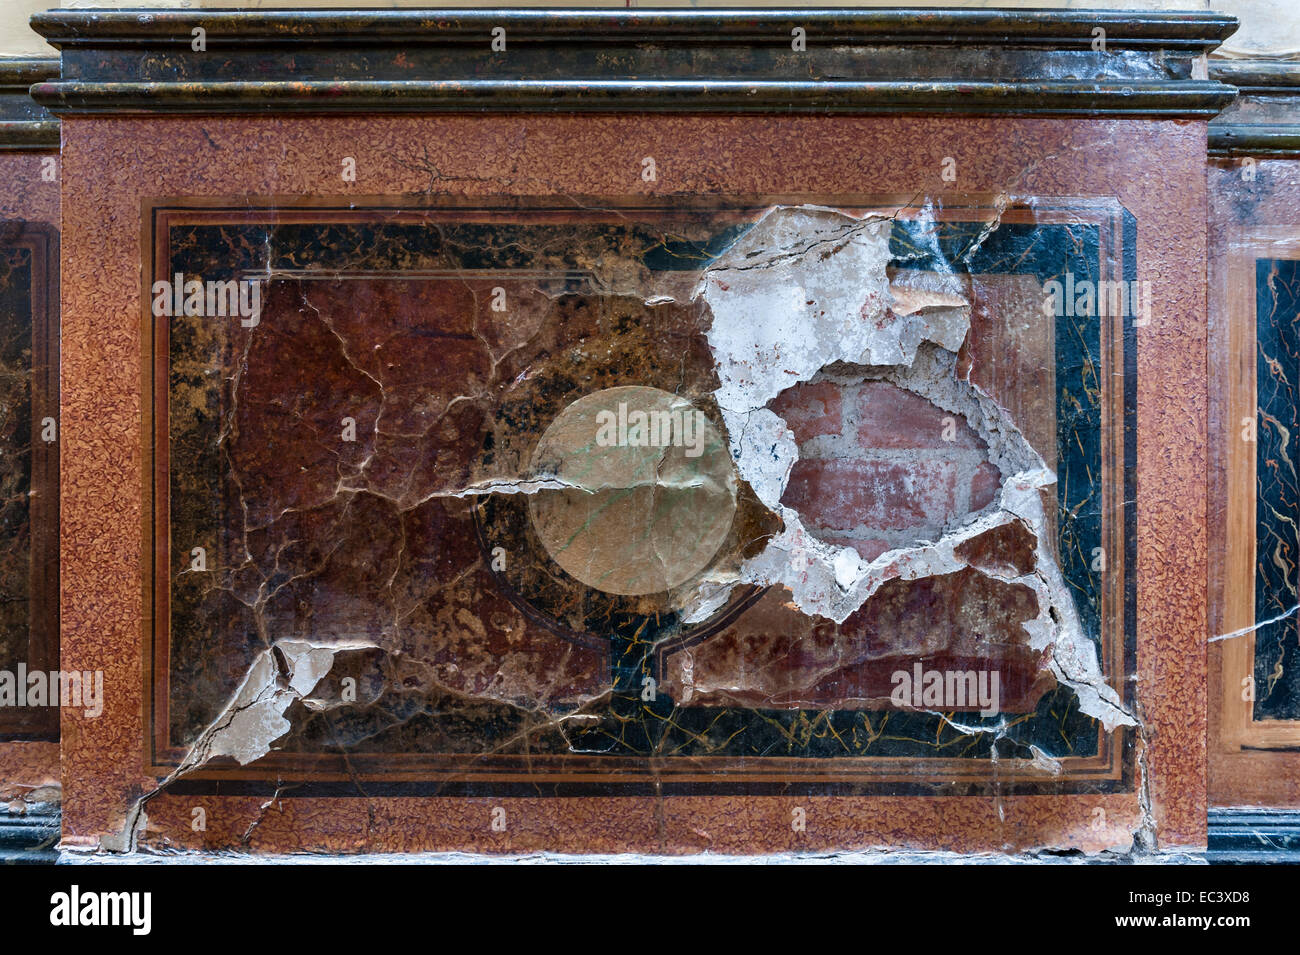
807,287
254,718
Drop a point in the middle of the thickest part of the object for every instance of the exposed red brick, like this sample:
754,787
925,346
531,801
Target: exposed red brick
841,495
984,486
811,410
893,417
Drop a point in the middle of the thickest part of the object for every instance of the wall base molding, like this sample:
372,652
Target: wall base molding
30,838
1254,837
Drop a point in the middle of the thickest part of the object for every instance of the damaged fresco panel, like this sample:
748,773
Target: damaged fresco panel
781,493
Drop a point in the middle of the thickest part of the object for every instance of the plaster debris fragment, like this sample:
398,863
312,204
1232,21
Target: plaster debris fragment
529,486
1044,761
254,719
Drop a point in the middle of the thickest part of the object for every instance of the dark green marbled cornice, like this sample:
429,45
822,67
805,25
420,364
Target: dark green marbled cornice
1265,119
863,61
23,124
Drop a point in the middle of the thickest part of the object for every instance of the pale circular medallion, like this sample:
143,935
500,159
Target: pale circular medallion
650,490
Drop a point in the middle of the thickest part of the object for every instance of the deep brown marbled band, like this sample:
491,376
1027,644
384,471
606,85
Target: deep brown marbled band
992,62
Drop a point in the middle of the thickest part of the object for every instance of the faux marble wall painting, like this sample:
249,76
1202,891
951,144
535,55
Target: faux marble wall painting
16,442
1254,727
28,480
1277,538
541,497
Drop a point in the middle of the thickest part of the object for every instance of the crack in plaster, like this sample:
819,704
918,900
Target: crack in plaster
1251,629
